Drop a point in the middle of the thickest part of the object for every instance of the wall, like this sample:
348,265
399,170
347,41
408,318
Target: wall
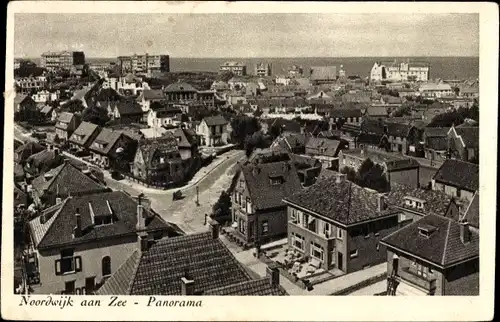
368,255
118,249
462,279
409,177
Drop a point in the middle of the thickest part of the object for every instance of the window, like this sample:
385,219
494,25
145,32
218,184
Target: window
293,215
298,241
459,193
265,227
276,180
353,253
378,247
300,218
316,251
402,217
326,229
366,232
106,266
339,233
162,160
69,287
68,262
422,270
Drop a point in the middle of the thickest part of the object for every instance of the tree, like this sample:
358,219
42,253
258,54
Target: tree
95,115
256,141
369,175
222,208
243,126
224,76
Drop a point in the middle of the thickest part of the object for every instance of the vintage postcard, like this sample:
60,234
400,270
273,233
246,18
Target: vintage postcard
248,161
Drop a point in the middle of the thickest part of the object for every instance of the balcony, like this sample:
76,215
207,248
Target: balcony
426,283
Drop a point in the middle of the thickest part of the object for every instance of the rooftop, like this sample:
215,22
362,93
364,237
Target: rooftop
461,174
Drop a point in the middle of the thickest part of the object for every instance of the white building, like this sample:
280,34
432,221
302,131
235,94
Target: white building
43,97
397,72
435,90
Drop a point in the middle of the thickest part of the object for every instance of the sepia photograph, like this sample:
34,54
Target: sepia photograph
234,151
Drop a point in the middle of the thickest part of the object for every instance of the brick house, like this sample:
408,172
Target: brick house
158,160
338,225
83,136
259,213
197,264
113,149
24,107
435,140
457,179
79,243
433,256
66,124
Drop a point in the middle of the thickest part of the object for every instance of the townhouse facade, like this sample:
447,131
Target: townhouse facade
144,64
213,131
457,179
53,61
237,68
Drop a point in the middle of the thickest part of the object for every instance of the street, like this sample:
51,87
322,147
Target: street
211,180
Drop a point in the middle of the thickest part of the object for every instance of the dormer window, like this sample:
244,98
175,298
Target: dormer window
426,230
414,202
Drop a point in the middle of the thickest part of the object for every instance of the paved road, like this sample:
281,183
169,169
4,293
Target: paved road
210,180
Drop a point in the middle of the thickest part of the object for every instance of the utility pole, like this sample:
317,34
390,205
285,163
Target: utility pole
197,196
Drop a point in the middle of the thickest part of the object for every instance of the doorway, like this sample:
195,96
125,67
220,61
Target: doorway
340,261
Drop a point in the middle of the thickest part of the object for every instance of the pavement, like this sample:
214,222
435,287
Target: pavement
370,290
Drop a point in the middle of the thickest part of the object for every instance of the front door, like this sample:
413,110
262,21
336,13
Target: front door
89,285
340,262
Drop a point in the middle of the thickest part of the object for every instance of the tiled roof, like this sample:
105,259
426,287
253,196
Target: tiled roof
65,117
45,160
357,98
179,87
438,143
443,247
434,87
436,131
435,202
206,260
47,109
323,73
251,288
472,212
151,147
107,137
345,112
469,135
26,150
286,125
327,174
121,205
215,120
86,130
128,107
121,280
461,174
265,195
302,161
398,129
396,165
153,94
185,138
377,111
67,180
20,197
323,146
19,98
344,202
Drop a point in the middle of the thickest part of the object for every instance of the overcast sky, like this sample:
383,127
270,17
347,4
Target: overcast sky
249,35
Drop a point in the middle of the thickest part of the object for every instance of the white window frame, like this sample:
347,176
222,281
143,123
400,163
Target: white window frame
326,229
339,234
318,248
300,239
265,227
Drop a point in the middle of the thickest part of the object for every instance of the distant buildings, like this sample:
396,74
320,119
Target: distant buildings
435,90
323,75
404,71
62,60
237,68
27,85
263,69
145,64
23,63
295,71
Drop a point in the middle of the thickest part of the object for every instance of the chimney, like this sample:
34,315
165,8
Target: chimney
465,233
381,202
273,274
141,225
340,178
77,231
187,286
58,200
214,228
142,241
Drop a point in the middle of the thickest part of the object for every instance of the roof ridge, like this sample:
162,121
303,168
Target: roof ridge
134,273
54,218
446,241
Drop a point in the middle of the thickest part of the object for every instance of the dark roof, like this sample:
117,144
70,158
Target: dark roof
251,288
265,195
436,202
180,87
107,137
128,107
296,140
18,172
215,120
443,247
65,117
44,160
345,112
67,180
377,111
472,212
153,94
323,146
26,150
469,135
86,130
156,146
20,197
461,174
438,143
286,125
158,271
396,165
398,129
185,138
58,229
344,202
302,161
436,131
372,126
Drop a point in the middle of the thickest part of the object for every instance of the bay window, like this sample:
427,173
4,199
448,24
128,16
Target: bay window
317,251
298,241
